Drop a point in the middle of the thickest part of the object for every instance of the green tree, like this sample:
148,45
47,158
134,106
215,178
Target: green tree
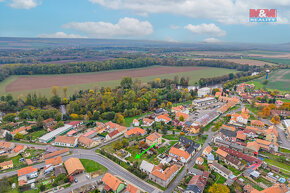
39,122
181,118
42,187
119,119
126,82
18,136
10,117
117,145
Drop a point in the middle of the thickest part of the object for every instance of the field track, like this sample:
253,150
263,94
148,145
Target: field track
36,82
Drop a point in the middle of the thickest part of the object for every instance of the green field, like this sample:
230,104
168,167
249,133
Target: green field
92,166
193,75
277,80
272,60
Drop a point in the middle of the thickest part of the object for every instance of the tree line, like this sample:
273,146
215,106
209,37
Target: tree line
114,64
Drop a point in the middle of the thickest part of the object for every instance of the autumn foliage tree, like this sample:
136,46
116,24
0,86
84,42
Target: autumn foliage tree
218,188
266,112
275,119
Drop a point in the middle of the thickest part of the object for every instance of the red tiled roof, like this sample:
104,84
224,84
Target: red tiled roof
241,155
18,148
111,181
113,133
26,170
164,175
135,131
154,136
179,152
74,123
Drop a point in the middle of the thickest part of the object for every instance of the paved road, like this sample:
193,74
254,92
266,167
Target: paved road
189,165
285,142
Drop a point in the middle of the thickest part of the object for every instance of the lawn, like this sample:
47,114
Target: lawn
194,77
129,120
282,166
164,148
253,109
284,150
92,166
264,181
35,135
219,179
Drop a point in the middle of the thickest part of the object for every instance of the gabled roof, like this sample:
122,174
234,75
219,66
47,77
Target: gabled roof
277,188
272,130
18,148
164,117
111,181
4,144
58,152
131,189
147,120
241,135
146,166
263,142
26,170
6,163
154,136
18,130
258,122
73,164
221,152
89,133
221,168
54,161
48,120
179,114
113,133
135,121
178,108
74,123
179,152
135,131
65,139
253,145
85,140
207,150
164,175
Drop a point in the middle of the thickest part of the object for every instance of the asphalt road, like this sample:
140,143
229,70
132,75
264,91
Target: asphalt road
189,165
284,141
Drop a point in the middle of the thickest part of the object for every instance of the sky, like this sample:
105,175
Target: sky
210,21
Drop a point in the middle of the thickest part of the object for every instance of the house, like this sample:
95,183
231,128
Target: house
154,138
232,161
179,108
6,165
56,153
253,146
192,127
135,131
221,153
180,114
87,142
51,135
163,177
65,141
210,158
147,122
122,129
268,145
221,169
189,145
197,183
29,172
21,130
136,123
207,118
113,183
132,189
271,134
146,167
19,148
59,170
74,166
50,164
199,161
48,123
257,123
75,124
227,127
241,136
202,92
239,119
279,103
206,151
71,133
113,134
163,118
250,133
257,131
179,154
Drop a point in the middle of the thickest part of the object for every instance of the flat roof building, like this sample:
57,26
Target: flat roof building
51,135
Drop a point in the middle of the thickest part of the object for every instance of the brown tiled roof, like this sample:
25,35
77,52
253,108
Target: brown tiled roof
164,117
147,120
18,130
111,181
254,129
48,120
135,131
54,161
166,173
154,136
58,152
241,135
258,122
26,170
65,139
179,152
85,140
277,188
241,155
4,144
28,161
228,127
263,142
131,189
179,114
113,133
18,148
207,150
233,160
178,108
253,144
221,152
6,163
72,165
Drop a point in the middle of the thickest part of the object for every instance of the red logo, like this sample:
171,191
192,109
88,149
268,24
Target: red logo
263,13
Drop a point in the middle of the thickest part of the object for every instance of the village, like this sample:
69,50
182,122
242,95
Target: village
223,137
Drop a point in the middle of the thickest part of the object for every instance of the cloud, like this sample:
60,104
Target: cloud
126,27
174,26
223,11
24,4
211,40
205,29
60,35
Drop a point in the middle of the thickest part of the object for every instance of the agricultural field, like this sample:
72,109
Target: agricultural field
42,84
272,60
244,61
277,80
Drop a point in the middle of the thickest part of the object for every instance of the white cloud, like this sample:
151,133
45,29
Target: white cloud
60,35
24,4
211,40
174,26
126,27
223,11
205,29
